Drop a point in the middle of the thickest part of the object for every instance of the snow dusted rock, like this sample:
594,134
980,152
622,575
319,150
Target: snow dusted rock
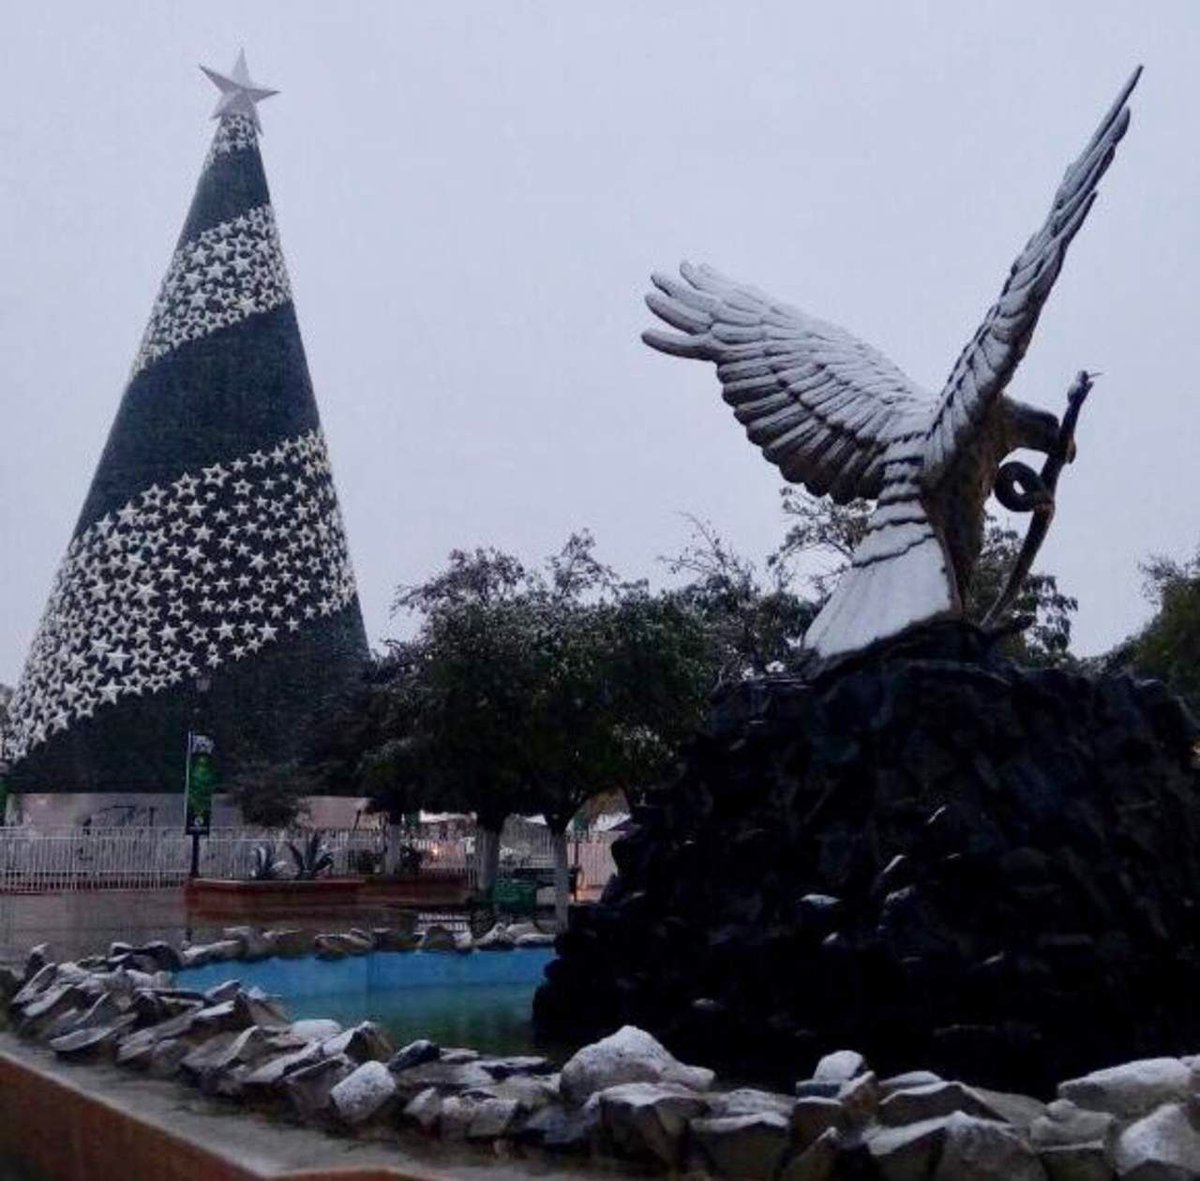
497,939
1163,1146
314,1029
649,1119
910,1078
1089,1161
38,958
221,950
195,957
93,1042
308,1088
564,1129
225,991
35,984
39,1013
812,1115
500,1068
516,930
446,1076
477,1117
289,941
1065,1123
414,1054
628,1056
859,1098
437,938
911,1105
267,1076
364,1043
166,1057
1019,1110
363,1093
536,939
748,1101
464,942
391,939
817,1161
840,1067
256,944
530,1093
252,1006
164,957
1130,1090
907,1153
223,1052
425,1108
743,1146
985,1150
493,1118
338,945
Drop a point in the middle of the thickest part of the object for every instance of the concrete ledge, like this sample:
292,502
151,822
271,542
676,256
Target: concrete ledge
99,1123
270,900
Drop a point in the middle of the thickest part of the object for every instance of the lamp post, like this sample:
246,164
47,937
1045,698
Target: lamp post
197,778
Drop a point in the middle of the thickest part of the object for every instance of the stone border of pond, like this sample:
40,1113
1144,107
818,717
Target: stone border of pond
623,1099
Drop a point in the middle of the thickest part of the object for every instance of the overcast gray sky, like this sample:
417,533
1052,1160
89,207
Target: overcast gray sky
471,198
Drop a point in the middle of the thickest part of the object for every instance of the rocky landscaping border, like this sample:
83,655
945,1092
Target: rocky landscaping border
621,1097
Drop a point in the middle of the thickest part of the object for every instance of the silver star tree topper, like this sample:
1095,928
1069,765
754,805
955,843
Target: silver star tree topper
838,417
239,95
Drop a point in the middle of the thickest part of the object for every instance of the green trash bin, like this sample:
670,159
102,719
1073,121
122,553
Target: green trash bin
512,896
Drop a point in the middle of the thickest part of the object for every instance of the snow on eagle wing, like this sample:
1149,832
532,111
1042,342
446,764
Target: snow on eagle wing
985,366
823,406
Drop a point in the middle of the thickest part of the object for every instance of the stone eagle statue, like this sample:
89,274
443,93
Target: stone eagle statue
838,417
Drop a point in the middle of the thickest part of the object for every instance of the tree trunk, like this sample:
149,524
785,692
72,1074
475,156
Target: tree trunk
487,857
562,878
391,858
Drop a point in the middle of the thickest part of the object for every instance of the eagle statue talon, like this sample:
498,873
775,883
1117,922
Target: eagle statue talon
838,417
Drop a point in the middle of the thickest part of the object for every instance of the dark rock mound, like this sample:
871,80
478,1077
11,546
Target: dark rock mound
933,855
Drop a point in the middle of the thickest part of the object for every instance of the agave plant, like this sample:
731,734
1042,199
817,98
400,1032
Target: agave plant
267,868
312,858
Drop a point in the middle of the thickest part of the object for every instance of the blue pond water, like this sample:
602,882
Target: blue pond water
481,999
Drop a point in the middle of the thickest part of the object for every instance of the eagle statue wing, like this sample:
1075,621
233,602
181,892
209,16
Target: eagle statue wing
985,366
822,405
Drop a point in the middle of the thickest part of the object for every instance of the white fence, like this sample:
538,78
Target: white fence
94,858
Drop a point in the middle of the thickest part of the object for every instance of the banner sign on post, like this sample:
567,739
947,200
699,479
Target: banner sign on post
200,778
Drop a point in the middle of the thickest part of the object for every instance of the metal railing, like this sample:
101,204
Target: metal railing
97,858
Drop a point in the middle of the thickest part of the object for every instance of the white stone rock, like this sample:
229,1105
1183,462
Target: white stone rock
649,1119
1163,1146
628,1056
905,1154
749,1147
425,1108
362,1093
497,939
1132,1089
840,1067
315,1029
985,1150
535,939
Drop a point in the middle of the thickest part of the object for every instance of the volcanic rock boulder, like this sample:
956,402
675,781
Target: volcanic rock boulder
934,855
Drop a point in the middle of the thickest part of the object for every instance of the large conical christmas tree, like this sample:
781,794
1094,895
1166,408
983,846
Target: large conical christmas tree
207,585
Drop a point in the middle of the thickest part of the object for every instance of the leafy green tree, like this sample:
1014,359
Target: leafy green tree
754,621
1168,647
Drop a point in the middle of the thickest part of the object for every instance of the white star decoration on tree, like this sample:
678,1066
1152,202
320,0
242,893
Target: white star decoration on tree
238,93
198,296
151,595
